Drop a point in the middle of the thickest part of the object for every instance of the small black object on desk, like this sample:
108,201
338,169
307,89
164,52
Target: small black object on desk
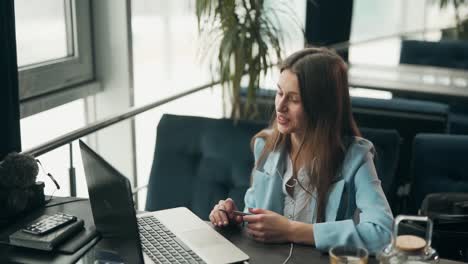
68,251
48,223
47,239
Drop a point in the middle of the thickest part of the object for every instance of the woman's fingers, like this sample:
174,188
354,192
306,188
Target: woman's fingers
212,219
257,235
222,218
230,205
222,213
254,218
216,216
227,205
270,226
256,226
263,225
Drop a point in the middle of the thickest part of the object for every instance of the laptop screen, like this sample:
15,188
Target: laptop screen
112,204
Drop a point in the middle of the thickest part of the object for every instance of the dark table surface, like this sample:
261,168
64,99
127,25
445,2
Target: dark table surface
277,253
258,252
273,253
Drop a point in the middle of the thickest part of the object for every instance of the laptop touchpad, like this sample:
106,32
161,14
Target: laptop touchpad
201,238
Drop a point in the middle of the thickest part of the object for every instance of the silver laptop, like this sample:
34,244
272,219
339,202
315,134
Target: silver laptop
167,236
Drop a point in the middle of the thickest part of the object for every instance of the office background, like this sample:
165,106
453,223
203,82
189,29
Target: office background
82,61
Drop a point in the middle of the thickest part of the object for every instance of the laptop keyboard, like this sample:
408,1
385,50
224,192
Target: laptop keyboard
161,245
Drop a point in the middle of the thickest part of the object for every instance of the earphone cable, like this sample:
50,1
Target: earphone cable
48,174
292,244
290,253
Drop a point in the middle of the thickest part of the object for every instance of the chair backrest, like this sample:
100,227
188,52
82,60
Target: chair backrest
387,145
198,161
408,116
458,123
440,164
445,53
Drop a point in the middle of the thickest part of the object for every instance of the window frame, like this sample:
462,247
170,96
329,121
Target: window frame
57,81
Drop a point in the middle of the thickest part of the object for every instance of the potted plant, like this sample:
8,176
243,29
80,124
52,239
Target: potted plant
461,24
246,38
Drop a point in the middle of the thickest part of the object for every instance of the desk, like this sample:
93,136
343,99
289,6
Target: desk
413,80
258,252
277,253
274,253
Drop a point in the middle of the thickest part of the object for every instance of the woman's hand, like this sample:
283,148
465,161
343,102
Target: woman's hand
222,213
268,226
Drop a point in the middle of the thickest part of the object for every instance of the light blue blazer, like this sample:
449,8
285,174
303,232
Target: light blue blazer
357,212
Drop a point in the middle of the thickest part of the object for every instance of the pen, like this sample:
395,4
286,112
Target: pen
236,212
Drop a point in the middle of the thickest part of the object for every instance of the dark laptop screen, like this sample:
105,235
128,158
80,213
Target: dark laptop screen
111,203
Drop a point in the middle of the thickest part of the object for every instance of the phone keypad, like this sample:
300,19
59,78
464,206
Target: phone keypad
49,223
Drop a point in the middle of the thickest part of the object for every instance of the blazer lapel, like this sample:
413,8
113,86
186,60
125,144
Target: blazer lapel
274,167
273,163
334,201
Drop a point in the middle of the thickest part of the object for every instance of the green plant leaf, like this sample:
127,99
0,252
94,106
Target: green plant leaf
244,34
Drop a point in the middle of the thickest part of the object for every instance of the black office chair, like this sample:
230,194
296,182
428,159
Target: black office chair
444,53
408,117
198,161
387,146
440,164
458,122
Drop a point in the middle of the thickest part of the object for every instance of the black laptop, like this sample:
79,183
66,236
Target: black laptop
167,236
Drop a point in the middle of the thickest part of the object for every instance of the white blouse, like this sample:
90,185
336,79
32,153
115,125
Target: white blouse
301,206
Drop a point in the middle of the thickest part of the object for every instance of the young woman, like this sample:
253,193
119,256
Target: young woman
314,180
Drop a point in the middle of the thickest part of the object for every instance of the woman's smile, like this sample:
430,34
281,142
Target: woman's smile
282,120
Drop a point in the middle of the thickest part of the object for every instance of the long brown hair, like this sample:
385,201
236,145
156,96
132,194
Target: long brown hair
323,85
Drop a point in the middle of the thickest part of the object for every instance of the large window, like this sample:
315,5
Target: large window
55,63
47,125
41,32
167,60
379,26
54,52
